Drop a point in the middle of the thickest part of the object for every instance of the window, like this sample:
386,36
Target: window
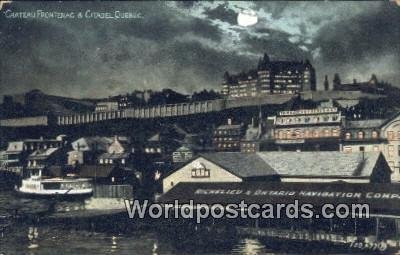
316,133
172,184
347,149
348,135
335,132
391,151
123,161
390,135
101,161
374,134
327,132
111,161
376,148
199,170
362,148
360,135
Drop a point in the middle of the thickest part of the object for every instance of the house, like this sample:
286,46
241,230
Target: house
40,160
251,140
375,135
118,152
86,149
362,135
105,174
107,106
182,154
390,131
17,151
227,137
327,166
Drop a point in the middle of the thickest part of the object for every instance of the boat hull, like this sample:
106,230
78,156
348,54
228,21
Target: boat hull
62,196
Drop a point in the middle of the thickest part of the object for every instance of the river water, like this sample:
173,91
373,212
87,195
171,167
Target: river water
38,238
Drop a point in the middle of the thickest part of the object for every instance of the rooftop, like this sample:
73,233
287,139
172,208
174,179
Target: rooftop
372,123
325,164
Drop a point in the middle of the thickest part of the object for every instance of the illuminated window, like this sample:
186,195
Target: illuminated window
360,135
347,149
348,135
199,170
327,132
391,151
376,148
316,133
374,134
335,132
390,135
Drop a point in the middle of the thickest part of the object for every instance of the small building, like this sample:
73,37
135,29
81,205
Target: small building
182,154
39,161
251,141
310,167
87,149
362,135
227,137
107,106
390,131
118,152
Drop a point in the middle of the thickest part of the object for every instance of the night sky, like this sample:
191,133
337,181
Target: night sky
187,46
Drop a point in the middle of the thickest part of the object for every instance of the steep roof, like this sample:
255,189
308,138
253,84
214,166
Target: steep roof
93,142
114,155
15,146
371,123
241,164
321,164
42,154
324,164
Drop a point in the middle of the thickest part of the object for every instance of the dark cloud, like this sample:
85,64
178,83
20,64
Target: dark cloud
223,13
365,39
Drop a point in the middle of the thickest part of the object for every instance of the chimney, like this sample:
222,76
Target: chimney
229,121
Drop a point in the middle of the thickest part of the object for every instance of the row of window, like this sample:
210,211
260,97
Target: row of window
227,145
361,135
200,173
152,150
297,120
110,161
289,134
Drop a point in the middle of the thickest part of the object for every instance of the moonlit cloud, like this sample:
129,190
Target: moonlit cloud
187,46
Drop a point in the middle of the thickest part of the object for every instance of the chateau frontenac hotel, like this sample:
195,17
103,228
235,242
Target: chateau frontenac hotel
271,77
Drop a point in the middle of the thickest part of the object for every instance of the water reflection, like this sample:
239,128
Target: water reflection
114,246
33,234
249,247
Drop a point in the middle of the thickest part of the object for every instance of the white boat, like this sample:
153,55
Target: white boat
58,187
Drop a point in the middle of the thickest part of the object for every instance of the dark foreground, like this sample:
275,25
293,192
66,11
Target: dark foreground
117,234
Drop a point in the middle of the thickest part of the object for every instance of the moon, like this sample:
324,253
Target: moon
247,18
